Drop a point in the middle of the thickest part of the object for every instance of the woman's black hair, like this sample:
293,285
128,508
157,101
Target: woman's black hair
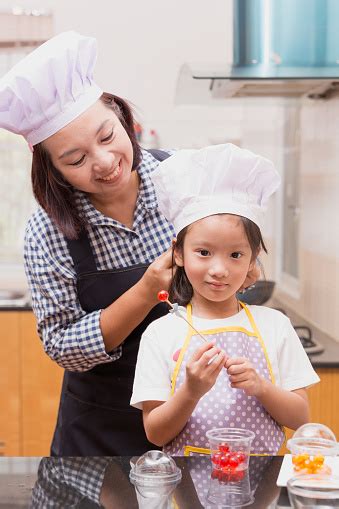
51,189
181,290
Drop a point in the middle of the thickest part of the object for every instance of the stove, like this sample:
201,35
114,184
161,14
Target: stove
311,346
260,293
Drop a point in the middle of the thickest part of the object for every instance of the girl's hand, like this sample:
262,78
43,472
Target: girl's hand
200,374
158,276
243,376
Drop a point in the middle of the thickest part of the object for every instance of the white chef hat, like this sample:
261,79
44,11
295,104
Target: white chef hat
192,184
50,87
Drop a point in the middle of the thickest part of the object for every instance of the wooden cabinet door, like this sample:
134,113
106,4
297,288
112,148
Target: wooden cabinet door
10,399
323,398
41,387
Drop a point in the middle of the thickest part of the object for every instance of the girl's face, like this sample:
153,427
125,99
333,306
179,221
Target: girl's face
93,152
217,257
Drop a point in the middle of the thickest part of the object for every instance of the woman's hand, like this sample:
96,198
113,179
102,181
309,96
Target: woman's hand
243,376
158,276
252,277
201,374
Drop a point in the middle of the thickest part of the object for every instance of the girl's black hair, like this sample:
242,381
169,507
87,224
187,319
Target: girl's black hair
181,290
51,189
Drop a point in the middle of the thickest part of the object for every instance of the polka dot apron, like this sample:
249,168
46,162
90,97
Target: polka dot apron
223,406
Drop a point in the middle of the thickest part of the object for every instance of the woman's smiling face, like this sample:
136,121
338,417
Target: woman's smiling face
94,152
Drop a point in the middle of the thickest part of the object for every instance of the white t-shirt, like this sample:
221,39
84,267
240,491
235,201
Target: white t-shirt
290,365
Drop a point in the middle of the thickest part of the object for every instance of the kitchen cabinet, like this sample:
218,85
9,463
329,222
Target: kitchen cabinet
41,380
323,398
10,409
30,387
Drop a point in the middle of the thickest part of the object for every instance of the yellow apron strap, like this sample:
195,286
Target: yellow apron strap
258,335
269,365
189,314
175,503
188,449
183,350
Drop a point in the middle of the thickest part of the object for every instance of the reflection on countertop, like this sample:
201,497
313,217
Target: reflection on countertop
92,482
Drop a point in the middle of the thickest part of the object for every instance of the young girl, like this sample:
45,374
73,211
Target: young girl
252,372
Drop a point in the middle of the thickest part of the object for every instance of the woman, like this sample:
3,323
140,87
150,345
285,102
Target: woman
97,248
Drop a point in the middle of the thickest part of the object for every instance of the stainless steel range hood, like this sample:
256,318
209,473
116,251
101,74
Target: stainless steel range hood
284,48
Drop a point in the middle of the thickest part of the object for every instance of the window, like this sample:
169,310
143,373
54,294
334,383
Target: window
20,33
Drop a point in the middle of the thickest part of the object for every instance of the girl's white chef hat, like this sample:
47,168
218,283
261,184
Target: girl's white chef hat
192,184
50,87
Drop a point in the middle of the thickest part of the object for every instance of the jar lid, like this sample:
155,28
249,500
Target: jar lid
315,430
155,468
313,438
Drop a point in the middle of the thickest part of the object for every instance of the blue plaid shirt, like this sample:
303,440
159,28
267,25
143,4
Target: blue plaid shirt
72,337
65,482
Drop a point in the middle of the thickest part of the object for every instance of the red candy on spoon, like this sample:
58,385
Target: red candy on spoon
163,296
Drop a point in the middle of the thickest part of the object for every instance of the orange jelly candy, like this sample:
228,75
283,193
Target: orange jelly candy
308,464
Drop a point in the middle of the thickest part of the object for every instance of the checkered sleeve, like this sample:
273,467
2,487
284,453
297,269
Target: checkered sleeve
64,482
70,336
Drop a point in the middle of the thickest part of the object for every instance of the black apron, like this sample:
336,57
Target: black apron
95,417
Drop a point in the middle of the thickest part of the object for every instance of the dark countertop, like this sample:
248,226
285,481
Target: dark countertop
77,482
329,358
25,307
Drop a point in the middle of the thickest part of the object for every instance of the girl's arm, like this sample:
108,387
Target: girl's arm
164,421
288,408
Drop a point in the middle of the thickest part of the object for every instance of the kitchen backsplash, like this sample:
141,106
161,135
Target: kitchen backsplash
317,133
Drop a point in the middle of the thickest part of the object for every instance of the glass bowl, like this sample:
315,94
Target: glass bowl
230,448
313,490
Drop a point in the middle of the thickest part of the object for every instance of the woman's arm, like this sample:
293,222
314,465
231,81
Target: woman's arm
77,340
119,319
164,421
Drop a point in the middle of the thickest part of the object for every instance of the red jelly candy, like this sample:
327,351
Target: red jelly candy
163,296
241,457
225,460
224,447
224,477
233,461
236,476
216,458
215,473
